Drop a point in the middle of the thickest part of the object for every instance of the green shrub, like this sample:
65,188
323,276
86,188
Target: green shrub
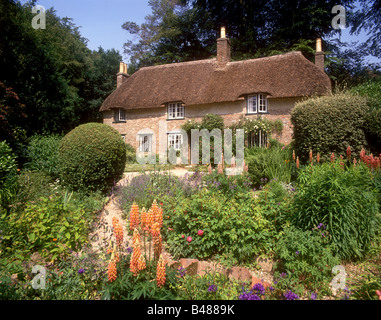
42,153
305,258
342,200
269,163
233,229
329,124
92,157
8,176
130,154
50,226
372,90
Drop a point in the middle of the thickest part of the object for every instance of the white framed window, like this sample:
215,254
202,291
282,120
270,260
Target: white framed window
262,102
119,115
175,141
257,103
145,142
252,104
175,111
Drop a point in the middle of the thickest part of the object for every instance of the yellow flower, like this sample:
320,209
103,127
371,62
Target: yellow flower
160,272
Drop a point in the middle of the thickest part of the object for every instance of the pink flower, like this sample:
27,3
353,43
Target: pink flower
189,239
200,232
182,236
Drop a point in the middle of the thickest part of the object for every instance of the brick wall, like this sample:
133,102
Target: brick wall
150,118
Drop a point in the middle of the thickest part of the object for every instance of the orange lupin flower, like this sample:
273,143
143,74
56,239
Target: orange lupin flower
362,154
135,237
135,257
318,157
332,157
144,219
293,155
354,162
150,219
297,162
157,246
111,271
118,231
311,157
155,209
160,272
159,217
141,263
134,216
155,230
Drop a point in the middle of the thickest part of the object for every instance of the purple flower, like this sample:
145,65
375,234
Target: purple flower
289,295
259,288
129,249
80,271
297,252
313,295
212,288
182,271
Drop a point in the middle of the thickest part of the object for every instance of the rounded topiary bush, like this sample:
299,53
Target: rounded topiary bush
91,157
330,124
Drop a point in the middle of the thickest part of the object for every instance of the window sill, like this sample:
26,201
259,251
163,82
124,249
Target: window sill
256,113
176,119
121,121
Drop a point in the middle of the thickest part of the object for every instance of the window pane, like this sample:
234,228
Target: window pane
252,104
262,103
122,115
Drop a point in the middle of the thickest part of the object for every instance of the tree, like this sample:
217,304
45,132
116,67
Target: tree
187,30
368,18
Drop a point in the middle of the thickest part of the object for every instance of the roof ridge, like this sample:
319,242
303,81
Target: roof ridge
174,64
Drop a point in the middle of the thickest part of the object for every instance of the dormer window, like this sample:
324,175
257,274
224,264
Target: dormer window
257,103
176,110
119,115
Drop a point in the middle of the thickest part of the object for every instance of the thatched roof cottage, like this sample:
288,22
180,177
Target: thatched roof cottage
265,87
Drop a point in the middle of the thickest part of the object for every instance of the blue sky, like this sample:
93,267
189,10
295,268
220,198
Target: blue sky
101,21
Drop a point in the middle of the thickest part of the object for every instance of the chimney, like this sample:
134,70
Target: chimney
223,48
319,55
122,75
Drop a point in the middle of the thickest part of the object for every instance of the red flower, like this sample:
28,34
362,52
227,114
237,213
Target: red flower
349,153
189,239
200,232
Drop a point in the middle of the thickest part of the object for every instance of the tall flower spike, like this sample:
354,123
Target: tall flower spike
349,153
111,271
118,231
135,257
160,272
332,157
318,157
150,219
297,162
311,157
141,263
134,216
293,155
143,217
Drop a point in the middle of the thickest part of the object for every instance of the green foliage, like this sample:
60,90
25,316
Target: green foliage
344,201
50,226
92,157
8,176
269,163
162,187
211,286
55,82
372,91
42,154
329,124
305,257
130,154
230,186
234,229
127,286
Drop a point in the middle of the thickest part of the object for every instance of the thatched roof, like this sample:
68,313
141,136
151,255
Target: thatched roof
206,81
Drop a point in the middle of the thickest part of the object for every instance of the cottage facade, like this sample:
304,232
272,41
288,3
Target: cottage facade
172,94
